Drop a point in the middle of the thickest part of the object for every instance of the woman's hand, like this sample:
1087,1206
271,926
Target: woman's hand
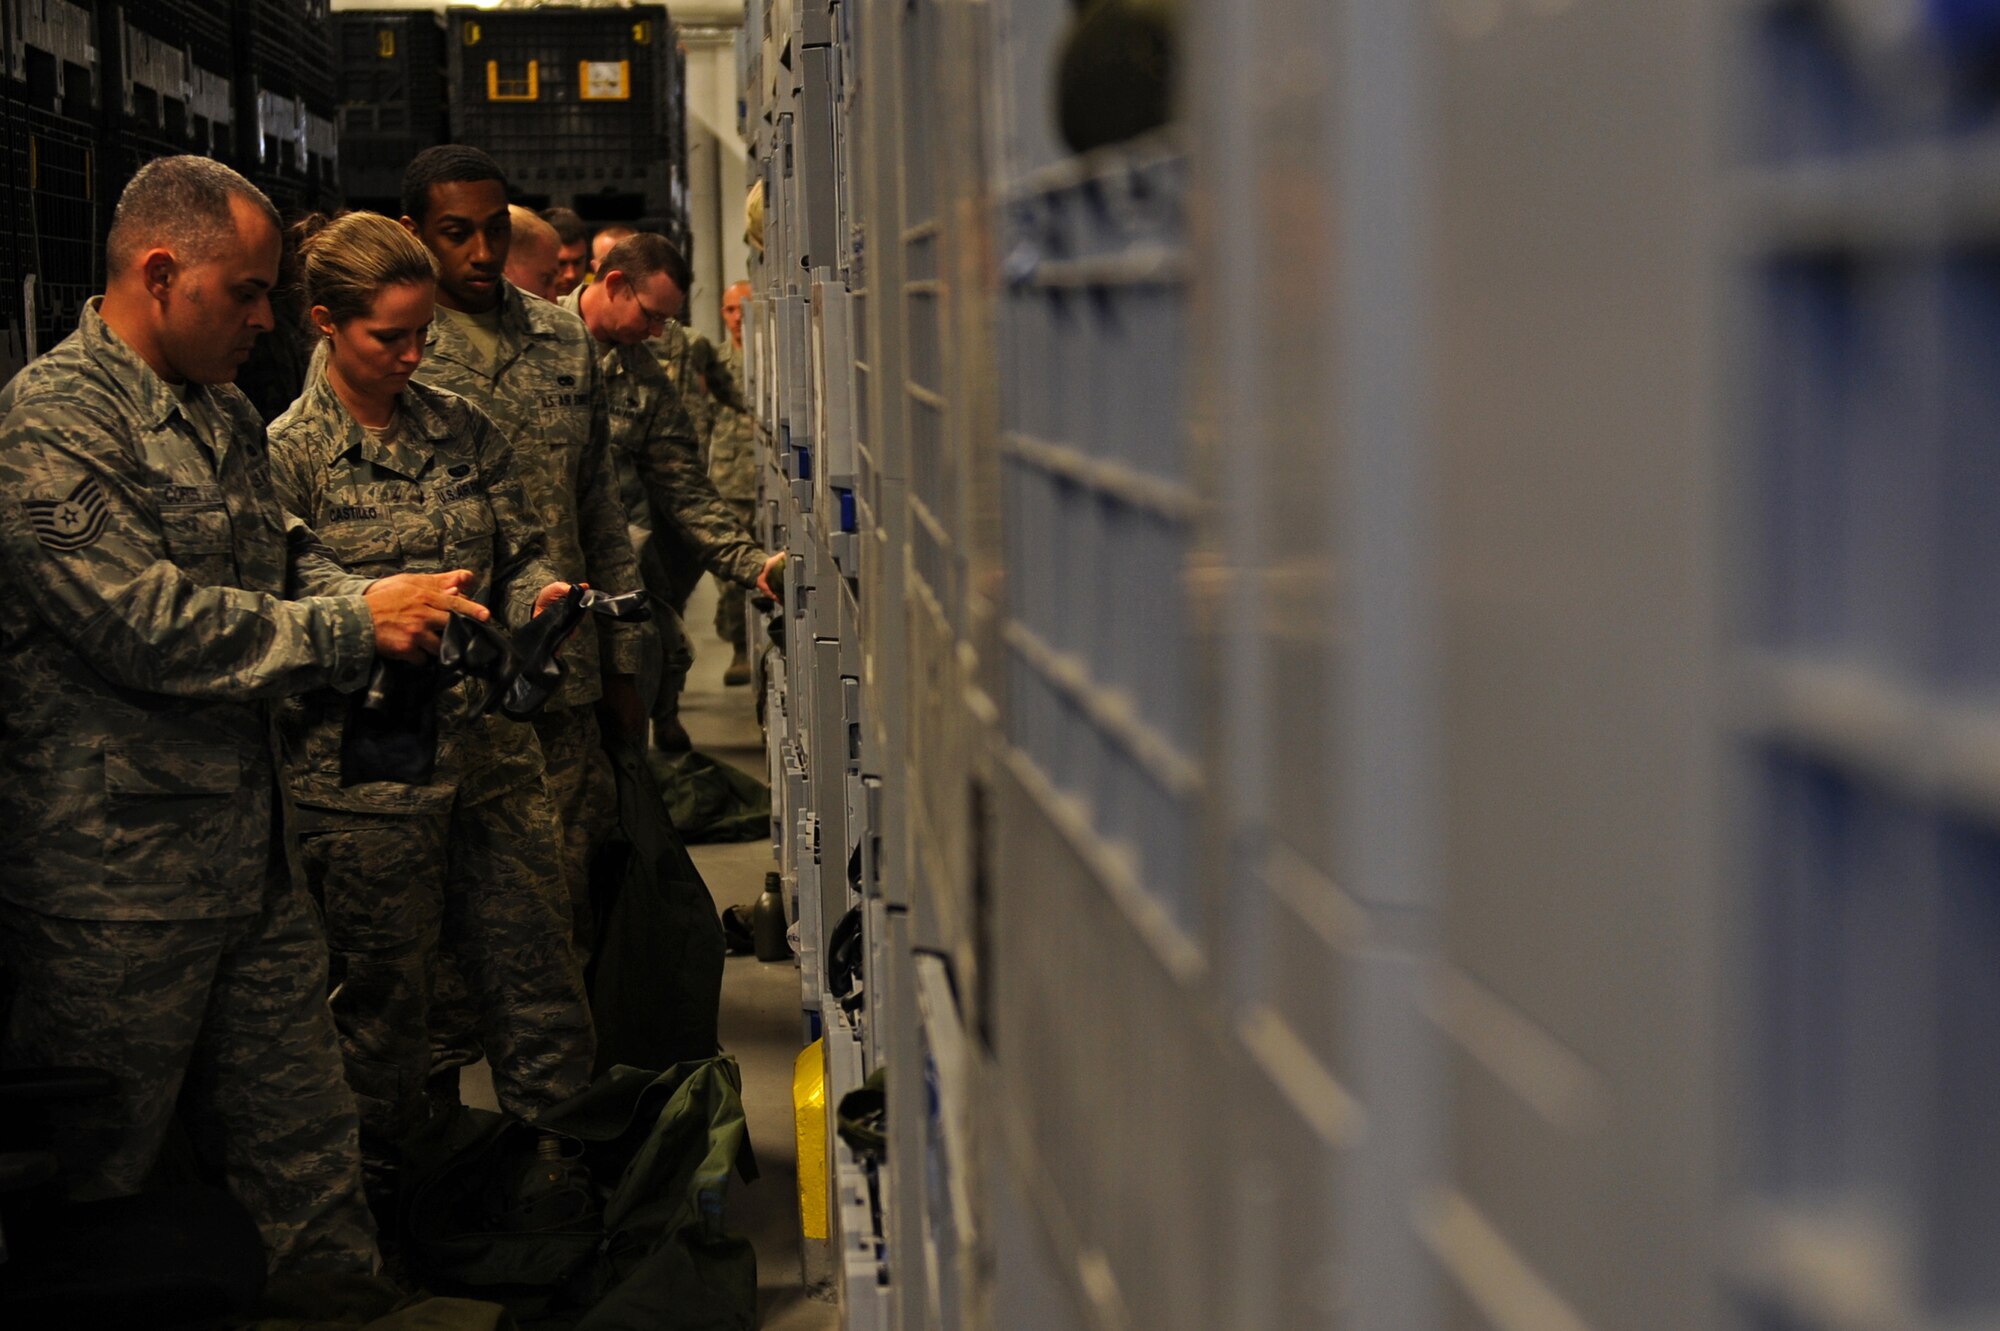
549,595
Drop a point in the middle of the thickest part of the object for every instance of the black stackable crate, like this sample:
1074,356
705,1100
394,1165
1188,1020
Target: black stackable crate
211,33
214,111
52,175
145,84
13,321
392,98
51,97
579,106
267,37
318,62
270,123
90,90
142,45
319,96
169,81
52,60
287,101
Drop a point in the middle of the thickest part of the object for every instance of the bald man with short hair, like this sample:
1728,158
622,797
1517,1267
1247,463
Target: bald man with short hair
535,256
734,461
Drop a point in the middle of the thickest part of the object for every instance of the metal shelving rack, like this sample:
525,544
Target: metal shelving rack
1408,695
1867,164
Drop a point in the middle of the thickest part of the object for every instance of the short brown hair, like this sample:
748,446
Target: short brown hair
181,203
642,255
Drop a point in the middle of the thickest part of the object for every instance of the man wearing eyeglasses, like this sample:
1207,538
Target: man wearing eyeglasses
640,288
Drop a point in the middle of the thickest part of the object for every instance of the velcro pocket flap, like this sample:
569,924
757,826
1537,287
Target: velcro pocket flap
196,528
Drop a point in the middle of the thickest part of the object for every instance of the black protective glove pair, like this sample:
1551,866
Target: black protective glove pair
392,727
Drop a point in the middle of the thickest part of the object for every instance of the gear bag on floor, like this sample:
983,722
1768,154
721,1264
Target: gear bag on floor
709,800
606,1214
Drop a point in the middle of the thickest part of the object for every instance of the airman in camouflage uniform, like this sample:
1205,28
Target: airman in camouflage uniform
149,926
652,433
669,559
669,562
732,441
722,421
685,354
473,856
734,459
544,393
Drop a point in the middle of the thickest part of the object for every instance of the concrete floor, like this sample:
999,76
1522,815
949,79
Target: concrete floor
760,1002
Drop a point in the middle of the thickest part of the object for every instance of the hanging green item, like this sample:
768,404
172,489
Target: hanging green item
655,981
1116,71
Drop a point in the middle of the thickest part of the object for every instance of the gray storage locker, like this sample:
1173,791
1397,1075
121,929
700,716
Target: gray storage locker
1404,671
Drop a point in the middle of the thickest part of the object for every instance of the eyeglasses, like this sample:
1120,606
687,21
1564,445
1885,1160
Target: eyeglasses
654,318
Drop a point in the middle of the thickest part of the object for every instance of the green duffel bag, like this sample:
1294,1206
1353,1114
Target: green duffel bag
606,1214
709,800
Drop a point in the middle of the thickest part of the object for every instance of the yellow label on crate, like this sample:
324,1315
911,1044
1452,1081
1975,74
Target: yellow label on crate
470,34
385,43
604,80
642,32
525,89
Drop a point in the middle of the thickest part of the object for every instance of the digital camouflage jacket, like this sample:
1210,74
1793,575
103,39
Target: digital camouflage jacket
146,629
544,393
651,427
733,454
442,493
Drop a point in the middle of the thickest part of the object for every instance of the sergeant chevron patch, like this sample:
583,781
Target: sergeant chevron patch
73,522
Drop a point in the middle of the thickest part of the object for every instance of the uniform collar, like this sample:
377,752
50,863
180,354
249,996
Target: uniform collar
424,413
610,356
522,319
573,302
408,452
152,398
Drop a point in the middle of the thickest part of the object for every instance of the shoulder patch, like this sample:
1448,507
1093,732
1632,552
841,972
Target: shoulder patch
74,521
